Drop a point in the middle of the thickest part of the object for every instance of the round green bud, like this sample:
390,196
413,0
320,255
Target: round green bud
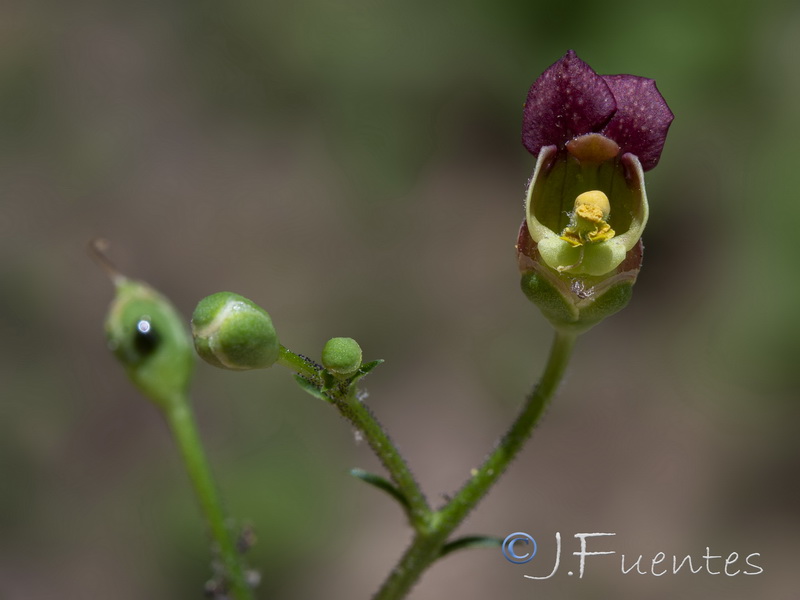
232,332
341,356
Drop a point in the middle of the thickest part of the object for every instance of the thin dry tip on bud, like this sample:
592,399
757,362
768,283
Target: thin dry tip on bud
97,250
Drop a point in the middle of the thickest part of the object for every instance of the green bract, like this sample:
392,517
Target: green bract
341,356
148,336
232,332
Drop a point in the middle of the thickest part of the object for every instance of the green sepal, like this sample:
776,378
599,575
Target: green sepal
569,312
331,380
382,484
606,304
326,382
312,388
550,300
470,541
365,369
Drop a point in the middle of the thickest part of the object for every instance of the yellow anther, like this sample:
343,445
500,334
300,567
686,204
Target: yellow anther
596,200
588,221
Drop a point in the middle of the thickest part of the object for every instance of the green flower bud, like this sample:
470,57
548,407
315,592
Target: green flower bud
150,339
232,332
341,356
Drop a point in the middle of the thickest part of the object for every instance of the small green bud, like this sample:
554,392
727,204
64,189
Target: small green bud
232,332
149,338
341,356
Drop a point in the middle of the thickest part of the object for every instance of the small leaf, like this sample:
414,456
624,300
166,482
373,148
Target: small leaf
382,484
470,541
311,388
365,369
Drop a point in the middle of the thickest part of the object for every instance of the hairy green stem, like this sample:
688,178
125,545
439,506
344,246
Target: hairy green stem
514,439
362,418
299,364
350,407
433,528
181,421
427,545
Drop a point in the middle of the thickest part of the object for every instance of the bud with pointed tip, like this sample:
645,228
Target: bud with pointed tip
150,339
232,332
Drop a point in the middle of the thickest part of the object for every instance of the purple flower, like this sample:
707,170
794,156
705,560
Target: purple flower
593,136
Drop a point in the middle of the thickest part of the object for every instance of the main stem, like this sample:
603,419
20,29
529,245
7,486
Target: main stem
427,545
181,421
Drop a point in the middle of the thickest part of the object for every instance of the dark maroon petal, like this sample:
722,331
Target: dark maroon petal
642,119
568,99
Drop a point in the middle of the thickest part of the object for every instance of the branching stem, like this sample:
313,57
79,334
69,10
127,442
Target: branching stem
427,546
432,528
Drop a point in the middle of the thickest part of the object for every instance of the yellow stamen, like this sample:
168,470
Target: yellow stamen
587,222
594,199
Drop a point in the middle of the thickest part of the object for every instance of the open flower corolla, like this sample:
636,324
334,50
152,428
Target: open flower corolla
593,136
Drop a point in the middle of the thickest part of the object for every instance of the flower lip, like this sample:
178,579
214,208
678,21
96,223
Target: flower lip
569,100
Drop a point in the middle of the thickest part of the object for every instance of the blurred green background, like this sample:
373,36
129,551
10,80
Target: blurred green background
355,167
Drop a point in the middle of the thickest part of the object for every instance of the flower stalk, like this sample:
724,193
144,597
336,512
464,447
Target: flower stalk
180,418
